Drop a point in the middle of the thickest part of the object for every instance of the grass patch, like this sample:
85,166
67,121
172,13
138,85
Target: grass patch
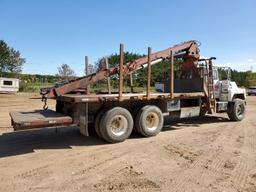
33,87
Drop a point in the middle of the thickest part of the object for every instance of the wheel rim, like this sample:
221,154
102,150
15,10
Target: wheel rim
152,121
240,110
119,125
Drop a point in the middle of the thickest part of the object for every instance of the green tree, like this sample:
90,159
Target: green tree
159,71
10,59
113,60
249,79
243,79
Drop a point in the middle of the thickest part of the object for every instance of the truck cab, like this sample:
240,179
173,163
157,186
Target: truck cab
224,88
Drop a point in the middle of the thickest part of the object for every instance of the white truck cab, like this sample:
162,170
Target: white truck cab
226,90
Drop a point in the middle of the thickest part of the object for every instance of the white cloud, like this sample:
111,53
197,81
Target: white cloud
250,60
237,66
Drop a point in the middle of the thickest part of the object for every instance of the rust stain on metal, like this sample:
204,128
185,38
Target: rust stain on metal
38,119
121,68
149,73
171,75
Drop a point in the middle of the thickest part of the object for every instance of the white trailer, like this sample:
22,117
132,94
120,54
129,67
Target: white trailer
9,85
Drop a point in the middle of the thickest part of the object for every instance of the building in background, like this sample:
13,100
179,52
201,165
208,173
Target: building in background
9,85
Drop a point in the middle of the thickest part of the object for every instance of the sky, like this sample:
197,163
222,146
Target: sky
49,33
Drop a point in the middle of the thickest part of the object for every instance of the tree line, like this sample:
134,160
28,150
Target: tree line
160,71
11,63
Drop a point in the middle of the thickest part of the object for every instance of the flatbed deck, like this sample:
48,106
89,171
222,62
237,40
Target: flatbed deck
126,96
38,119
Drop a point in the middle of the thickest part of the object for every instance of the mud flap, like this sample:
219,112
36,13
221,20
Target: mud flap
83,119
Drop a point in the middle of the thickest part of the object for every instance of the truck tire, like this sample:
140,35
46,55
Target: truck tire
116,125
149,121
236,110
135,111
203,108
97,122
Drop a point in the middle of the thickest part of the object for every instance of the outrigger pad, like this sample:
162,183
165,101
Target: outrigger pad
38,119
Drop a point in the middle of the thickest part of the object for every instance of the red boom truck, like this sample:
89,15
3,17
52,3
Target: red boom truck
115,115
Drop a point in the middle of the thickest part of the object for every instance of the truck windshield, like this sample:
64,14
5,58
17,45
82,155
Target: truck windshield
215,74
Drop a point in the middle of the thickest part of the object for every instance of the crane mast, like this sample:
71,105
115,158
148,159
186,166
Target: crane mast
187,49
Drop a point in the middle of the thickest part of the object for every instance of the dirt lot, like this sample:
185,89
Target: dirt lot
203,154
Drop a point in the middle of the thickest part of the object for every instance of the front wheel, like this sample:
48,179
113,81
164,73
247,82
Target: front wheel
236,110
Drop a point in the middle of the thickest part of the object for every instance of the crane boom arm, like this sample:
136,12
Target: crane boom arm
189,48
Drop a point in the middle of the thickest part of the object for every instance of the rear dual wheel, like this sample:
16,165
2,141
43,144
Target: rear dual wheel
149,121
97,122
114,125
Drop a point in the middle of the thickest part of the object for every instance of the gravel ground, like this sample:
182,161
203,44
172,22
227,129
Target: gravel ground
199,154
